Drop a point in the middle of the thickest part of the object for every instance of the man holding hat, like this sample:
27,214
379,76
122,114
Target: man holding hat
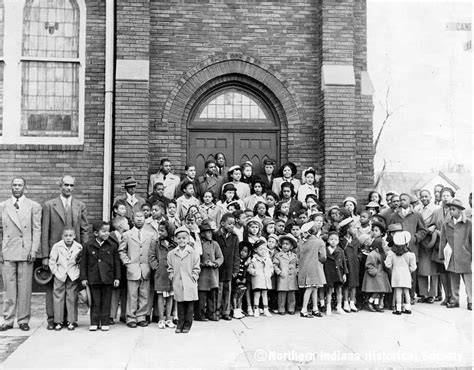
64,210
133,201
456,234
20,232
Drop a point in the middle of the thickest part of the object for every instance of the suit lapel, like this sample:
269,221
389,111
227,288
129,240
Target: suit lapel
75,211
59,208
13,214
134,234
24,211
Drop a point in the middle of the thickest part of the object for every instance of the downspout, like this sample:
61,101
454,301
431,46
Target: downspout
109,101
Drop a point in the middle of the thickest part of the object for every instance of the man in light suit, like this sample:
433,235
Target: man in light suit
21,236
133,252
58,213
133,202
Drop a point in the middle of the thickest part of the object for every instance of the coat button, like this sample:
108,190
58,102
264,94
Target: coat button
99,260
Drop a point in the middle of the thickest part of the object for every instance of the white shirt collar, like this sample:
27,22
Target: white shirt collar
20,200
65,200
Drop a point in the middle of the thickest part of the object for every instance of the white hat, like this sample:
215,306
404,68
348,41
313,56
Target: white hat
307,226
401,237
181,229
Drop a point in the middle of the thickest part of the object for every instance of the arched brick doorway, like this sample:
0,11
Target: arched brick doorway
237,121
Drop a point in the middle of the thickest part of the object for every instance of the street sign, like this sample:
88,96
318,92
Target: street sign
458,26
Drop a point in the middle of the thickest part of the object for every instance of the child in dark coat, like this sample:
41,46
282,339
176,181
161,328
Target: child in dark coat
239,282
350,245
157,257
335,270
208,283
100,277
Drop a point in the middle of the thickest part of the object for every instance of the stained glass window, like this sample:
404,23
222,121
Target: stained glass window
232,105
50,86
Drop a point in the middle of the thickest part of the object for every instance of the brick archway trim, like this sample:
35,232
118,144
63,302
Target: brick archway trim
228,68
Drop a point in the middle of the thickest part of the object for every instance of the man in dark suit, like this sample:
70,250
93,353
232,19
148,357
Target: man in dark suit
20,232
211,180
58,213
268,174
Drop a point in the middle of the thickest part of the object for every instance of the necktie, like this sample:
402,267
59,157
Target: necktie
67,210
139,236
17,205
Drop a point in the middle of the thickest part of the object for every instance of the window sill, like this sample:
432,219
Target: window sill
46,147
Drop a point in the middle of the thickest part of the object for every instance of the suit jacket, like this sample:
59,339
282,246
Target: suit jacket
134,253
63,261
131,210
54,221
100,265
21,229
213,183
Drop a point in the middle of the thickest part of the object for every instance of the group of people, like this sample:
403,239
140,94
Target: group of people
230,244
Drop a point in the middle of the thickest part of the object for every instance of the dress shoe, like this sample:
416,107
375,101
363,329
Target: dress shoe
50,326
438,298
371,307
143,323
185,330
444,303
123,319
422,299
397,312
469,306
452,304
111,321
132,324
379,308
306,314
178,330
24,327
430,300
4,327
408,312
226,317
317,314
291,312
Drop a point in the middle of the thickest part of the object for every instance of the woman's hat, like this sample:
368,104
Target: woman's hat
380,225
309,170
229,187
372,205
307,226
84,296
455,202
205,226
392,228
401,238
289,237
42,275
182,229
233,168
350,199
268,162
256,222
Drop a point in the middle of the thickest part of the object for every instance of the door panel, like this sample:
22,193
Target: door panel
255,147
237,147
204,145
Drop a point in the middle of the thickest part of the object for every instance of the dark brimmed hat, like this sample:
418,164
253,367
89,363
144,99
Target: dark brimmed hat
380,225
42,276
269,162
455,202
292,167
129,182
289,237
394,228
229,187
84,296
205,226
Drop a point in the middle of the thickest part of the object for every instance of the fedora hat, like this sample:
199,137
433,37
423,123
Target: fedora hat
129,181
455,202
205,226
84,296
394,228
42,276
429,241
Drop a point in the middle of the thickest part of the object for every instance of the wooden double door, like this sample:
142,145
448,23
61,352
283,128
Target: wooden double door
238,147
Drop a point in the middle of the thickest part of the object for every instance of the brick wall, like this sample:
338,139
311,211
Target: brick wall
41,165
280,35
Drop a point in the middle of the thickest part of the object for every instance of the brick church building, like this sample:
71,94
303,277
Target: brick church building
105,89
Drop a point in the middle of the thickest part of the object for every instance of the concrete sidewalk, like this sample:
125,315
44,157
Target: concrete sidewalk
433,336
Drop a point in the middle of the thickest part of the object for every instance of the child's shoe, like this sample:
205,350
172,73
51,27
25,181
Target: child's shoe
170,324
261,310
322,308
104,328
317,314
353,306
249,311
58,327
266,312
71,326
339,310
93,328
346,307
238,313
161,324
256,312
